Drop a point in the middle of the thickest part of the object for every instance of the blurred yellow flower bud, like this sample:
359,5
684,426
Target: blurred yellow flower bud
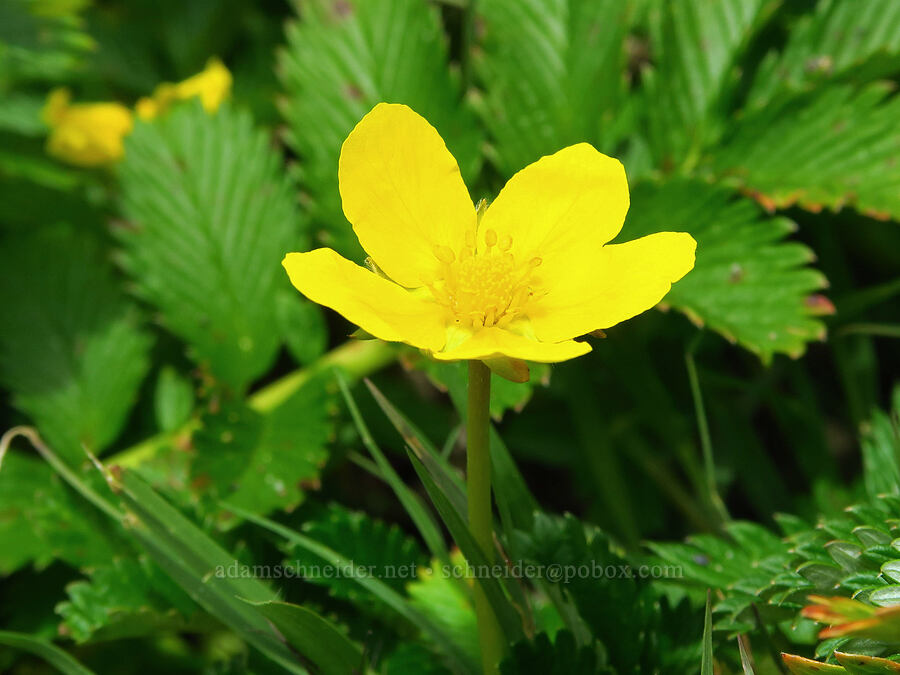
85,134
212,86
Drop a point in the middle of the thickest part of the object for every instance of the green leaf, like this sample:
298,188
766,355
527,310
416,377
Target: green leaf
210,216
801,666
173,399
126,597
880,441
458,660
342,58
302,326
265,461
747,284
553,73
41,520
41,43
316,638
829,148
559,657
381,550
838,40
71,347
695,48
410,658
859,664
46,650
446,599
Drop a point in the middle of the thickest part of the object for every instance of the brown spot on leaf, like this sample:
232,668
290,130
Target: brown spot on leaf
819,305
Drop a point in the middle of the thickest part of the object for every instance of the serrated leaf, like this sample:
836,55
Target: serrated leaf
553,75
40,520
265,461
126,597
832,147
695,48
38,45
173,399
801,666
302,326
211,214
342,58
748,283
379,549
837,40
860,664
391,598
71,347
880,442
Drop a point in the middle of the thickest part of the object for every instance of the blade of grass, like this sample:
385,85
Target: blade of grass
507,616
715,499
706,665
411,503
316,638
746,655
46,650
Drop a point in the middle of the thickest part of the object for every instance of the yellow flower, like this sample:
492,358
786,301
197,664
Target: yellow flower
520,281
212,86
85,134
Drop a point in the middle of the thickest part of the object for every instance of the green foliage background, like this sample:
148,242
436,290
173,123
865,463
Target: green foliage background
144,317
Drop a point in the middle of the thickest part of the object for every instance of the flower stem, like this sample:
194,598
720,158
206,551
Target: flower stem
478,472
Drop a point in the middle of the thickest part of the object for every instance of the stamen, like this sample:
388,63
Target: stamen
444,254
486,287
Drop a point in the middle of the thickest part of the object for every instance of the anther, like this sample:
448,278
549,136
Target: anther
535,262
505,242
490,238
444,254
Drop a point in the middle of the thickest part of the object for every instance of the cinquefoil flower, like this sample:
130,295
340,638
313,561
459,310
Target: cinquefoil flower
85,134
520,281
211,85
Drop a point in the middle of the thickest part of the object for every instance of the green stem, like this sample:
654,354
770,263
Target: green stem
705,440
478,472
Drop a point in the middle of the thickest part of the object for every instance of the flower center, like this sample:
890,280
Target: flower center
486,288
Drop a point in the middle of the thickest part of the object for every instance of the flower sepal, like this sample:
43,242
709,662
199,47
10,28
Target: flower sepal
514,370
362,334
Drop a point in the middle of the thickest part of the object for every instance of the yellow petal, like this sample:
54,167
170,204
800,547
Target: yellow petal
489,343
403,193
561,209
377,305
623,281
